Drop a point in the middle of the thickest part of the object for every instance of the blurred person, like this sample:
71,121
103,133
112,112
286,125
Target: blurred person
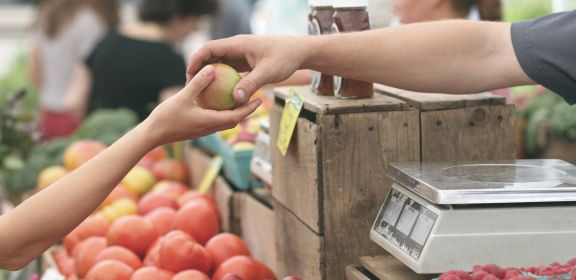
136,65
412,11
232,18
65,33
45,218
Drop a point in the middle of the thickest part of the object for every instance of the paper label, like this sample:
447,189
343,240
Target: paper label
288,121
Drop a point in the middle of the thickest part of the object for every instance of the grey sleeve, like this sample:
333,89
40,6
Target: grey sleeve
546,50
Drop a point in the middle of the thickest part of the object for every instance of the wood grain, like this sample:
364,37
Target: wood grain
224,196
387,267
332,105
469,134
299,250
295,175
198,163
357,272
257,228
356,150
441,101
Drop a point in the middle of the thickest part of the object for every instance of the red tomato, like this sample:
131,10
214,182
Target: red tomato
70,242
178,252
162,219
94,225
86,253
224,246
120,253
241,266
133,232
172,188
152,201
151,273
190,274
64,262
198,219
158,153
192,195
265,272
110,270
173,170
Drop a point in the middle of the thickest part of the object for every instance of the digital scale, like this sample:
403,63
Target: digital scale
446,216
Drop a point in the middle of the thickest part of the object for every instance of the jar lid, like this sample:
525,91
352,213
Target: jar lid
349,3
320,3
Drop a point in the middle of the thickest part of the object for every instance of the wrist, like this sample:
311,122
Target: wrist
311,49
145,134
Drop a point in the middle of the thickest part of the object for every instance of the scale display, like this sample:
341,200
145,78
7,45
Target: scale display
405,223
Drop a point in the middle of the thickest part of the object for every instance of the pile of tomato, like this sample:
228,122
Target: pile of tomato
554,271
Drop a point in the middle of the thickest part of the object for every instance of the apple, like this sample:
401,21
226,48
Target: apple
139,180
50,175
169,169
80,152
218,94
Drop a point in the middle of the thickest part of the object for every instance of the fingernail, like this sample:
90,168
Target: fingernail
240,94
208,71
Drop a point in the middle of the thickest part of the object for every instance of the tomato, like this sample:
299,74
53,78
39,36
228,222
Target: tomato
95,225
64,262
133,232
173,170
119,192
156,154
162,219
178,252
265,272
199,219
152,201
192,195
86,253
120,253
224,246
151,273
110,270
70,241
241,266
80,152
172,188
190,274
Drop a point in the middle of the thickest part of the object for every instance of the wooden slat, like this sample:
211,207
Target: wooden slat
332,105
299,250
224,196
357,272
198,162
440,101
468,134
387,267
296,174
356,150
257,228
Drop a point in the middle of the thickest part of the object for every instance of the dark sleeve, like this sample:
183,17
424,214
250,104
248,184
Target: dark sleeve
546,50
174,74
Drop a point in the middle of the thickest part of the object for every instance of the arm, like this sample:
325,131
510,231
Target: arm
76,97
448,56
34,67
178,118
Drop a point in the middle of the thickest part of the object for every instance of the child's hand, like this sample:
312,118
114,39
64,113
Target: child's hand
179,118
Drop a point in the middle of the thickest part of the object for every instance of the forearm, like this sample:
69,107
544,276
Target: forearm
58,209
448,56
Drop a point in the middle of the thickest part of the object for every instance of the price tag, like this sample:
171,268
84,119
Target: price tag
288,122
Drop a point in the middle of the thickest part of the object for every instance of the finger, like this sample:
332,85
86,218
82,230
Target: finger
211,52
250,83
230,117
200,81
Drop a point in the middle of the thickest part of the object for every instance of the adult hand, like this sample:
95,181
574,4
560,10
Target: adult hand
267,59
179,118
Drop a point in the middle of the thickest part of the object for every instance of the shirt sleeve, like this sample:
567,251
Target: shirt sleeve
546,50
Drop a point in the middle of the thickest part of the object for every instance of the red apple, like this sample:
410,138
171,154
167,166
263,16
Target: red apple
218,94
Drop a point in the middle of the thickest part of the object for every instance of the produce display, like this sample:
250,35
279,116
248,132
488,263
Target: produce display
150,227
554,271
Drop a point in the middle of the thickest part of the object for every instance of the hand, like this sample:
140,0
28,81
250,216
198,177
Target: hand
179,118
268,59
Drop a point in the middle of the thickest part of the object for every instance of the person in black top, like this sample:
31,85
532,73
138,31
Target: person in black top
134,66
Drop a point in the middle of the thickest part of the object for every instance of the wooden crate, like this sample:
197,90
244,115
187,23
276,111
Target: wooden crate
384,267
333,180
256,227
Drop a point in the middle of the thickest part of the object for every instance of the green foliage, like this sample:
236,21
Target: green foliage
107,125
517,10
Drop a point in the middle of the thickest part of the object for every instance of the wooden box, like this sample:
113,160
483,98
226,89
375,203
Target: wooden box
332,181
382,268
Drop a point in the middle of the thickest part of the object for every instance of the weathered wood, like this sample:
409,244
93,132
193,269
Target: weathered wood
440,101
257,228
356,150
296,174
468,134
300,251
224,196
198,163
387,267
357,272
332,105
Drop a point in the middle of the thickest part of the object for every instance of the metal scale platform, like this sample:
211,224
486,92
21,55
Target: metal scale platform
444,216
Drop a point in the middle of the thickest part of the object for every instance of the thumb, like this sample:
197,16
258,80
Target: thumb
199,82
250,83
